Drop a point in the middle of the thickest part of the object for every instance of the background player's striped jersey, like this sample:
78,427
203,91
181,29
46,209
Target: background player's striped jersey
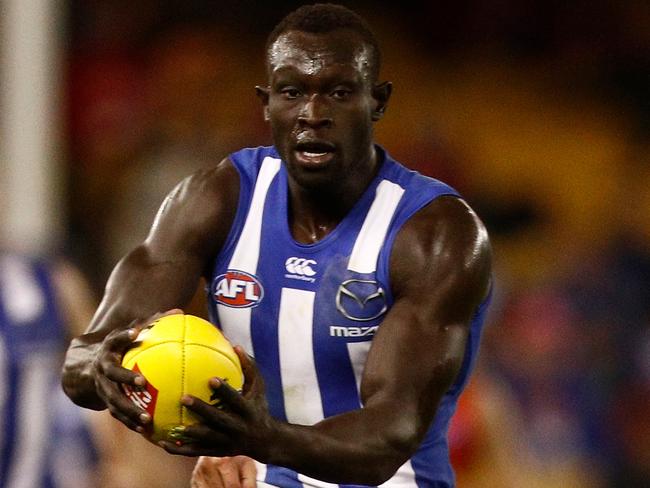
44,442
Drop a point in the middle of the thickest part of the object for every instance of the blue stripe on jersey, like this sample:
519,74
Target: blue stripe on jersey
431,463
9,416
284,477
335,373
267,354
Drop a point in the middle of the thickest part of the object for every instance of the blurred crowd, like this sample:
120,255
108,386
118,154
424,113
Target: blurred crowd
537,111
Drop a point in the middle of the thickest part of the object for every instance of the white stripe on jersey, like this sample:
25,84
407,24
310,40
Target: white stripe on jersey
261,474
33,418
22,296
246,255
312,483
404,478
241,334
247,252
302,400
373,232
358,352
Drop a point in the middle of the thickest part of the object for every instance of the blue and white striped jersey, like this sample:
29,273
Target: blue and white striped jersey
44,441
308,312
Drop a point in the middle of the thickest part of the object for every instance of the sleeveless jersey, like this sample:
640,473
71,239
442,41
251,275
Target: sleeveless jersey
44,442
308,312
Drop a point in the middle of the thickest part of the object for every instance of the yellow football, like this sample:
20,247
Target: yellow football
178,354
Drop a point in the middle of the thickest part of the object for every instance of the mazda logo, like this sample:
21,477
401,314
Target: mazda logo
361,300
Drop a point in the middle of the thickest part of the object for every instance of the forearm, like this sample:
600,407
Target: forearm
366,446
76,378
137,289
360,447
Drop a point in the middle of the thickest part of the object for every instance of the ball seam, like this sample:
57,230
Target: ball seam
207,346
182,409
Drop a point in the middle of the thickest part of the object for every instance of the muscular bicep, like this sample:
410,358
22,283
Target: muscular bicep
163,272
439,275
440,271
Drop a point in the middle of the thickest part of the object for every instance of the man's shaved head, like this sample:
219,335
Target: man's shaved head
323,18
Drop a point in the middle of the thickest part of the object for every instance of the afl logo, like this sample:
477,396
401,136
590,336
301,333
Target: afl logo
237,289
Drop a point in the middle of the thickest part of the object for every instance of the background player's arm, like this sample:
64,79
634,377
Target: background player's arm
74,297
160,274
440,272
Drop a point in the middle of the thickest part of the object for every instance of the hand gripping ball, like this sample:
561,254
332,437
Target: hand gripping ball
177,355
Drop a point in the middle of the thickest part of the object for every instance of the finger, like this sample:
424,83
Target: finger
229,472
173,311
199,434
190,449
216,418
112,351
246,361
124,419
228,395
213,481
252,380
159,315
120,340
120,406
118,374
206,474
247,471
112,394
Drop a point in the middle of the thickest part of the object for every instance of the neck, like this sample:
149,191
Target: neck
315,212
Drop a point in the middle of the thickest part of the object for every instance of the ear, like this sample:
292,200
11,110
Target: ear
263,94
381,94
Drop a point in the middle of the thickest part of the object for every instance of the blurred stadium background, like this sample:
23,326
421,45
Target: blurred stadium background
537,111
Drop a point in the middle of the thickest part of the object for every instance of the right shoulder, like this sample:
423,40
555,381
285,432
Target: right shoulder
200,209
223,182
212,185
214,193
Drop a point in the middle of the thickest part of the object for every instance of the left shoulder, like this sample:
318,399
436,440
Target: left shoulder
447,217
446,244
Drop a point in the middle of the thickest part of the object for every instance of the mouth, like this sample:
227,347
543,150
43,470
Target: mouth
314,153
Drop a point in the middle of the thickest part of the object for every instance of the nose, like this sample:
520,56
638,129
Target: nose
315,113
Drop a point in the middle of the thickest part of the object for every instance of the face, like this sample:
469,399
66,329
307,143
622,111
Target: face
321,103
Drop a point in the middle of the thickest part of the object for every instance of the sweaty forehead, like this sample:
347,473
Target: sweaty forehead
312,53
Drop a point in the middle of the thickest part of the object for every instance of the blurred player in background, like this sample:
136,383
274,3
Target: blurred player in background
353,281
46,440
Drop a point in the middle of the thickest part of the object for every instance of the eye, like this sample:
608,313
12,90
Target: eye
341,93
290,93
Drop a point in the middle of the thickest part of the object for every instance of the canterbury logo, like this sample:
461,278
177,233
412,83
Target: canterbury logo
300,266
